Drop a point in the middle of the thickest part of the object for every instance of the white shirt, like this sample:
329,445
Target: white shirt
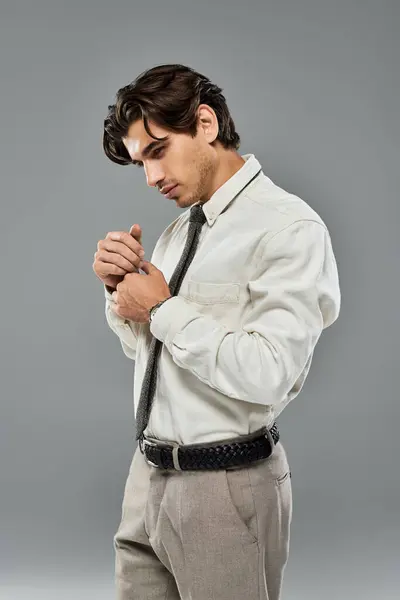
239,337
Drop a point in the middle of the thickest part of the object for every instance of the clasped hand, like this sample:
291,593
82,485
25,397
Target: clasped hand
137,293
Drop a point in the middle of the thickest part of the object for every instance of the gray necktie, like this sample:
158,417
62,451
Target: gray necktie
196,222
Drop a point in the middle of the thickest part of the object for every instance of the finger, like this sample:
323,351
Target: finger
125,238
148,267
122,249
103,269
112,258
136,232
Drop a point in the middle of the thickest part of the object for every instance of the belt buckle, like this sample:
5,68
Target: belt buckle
144,441
175,448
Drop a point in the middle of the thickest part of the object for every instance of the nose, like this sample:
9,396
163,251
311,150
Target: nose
154,175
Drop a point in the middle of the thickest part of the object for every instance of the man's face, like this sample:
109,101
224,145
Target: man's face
189,163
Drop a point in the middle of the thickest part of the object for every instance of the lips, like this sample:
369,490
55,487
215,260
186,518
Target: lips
167,191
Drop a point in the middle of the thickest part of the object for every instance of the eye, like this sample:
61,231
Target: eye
158,151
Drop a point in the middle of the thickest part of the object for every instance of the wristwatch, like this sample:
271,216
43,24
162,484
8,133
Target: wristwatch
154,308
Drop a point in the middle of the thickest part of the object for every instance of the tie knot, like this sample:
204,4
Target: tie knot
197,214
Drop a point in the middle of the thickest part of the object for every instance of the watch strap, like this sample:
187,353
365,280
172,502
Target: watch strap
154,308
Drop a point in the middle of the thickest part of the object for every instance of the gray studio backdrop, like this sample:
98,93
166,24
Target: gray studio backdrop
313,86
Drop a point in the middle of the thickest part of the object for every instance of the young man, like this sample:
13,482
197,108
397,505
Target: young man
222,325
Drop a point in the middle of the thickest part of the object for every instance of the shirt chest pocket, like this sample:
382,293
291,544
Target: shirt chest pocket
217,300
212,293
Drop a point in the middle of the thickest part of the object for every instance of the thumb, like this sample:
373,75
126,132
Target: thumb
136,232
148,267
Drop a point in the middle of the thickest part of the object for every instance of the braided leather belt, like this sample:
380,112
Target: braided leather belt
218,455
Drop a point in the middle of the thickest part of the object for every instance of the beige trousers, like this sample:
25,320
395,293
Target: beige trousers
204,535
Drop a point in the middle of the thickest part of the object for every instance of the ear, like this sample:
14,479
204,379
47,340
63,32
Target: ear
207,121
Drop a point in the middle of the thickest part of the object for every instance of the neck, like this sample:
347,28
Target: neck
227,164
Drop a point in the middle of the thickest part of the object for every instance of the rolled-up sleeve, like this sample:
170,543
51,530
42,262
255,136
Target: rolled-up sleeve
294,296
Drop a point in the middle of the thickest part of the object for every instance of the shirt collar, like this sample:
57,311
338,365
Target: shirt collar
231,188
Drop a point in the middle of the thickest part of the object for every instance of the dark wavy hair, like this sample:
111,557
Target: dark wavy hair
169,95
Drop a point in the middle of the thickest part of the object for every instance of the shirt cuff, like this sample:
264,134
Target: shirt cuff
170,318
107,293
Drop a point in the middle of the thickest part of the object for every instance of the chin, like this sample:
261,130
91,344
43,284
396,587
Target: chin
185,200
182,201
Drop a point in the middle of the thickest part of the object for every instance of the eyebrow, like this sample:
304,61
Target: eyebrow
150,147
